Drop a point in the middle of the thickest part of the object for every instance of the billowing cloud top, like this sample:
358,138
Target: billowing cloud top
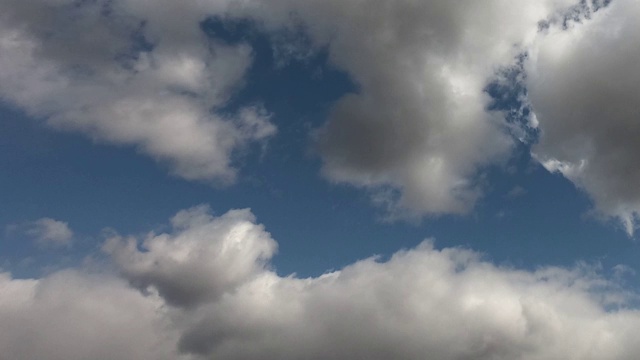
203,291
214,254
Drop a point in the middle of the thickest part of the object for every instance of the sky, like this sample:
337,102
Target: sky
320,179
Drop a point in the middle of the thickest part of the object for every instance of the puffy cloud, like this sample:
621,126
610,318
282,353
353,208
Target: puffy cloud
202,260
417,131
72,316
422,303
133,73
584,86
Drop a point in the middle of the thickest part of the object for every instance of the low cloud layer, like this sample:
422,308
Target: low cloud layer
584,86
422,303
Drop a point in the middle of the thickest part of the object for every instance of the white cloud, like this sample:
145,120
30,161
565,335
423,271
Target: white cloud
422,303
72,316
203,259
418,128
83,67
584,86
49,232
417,132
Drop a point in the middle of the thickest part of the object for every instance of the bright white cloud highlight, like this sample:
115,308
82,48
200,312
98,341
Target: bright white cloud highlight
422,303
132,73
584,86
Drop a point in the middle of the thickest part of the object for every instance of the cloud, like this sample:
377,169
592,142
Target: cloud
203,259
516,192
422,303
417,131
72,315
584,86
46,232
132,73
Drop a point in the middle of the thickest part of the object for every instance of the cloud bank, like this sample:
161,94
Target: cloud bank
204,257
584,86
206,290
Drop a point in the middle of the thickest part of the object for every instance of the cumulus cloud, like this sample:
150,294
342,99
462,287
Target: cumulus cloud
134,73
584,86
422,303
71,315
417,131
205,257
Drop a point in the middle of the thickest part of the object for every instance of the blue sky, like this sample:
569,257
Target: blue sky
348,133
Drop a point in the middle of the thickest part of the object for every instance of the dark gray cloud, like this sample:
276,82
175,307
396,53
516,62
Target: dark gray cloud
584,86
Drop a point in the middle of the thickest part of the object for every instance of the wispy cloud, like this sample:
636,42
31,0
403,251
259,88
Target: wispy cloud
516,192
46,232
